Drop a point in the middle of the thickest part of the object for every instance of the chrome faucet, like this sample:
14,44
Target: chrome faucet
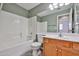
60,34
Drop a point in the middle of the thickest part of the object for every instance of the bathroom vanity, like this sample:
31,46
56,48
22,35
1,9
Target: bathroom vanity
60,46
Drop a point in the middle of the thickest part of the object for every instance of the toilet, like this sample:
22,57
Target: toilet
35,48
36,45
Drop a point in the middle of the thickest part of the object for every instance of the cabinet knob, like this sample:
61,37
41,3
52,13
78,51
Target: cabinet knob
59,50
56,49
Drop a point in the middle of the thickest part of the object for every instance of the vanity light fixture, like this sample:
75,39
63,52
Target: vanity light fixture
56,5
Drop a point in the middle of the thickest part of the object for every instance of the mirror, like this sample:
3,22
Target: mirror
63,23
65,18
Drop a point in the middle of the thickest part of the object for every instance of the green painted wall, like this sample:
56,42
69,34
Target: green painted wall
77,7
14,8
52,20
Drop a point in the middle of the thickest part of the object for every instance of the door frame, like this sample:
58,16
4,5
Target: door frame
59,16
33,31
76,24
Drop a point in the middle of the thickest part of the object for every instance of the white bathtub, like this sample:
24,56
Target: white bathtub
16,49
13,34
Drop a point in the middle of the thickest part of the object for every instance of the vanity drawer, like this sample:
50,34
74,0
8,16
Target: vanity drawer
76,46
64,43
58,42
50,41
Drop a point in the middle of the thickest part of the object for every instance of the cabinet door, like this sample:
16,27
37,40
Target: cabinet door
69,52
76,46
50,50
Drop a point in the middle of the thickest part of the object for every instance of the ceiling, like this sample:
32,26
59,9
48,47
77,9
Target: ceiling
28,6
46,12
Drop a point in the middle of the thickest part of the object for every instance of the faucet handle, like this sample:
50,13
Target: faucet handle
60,35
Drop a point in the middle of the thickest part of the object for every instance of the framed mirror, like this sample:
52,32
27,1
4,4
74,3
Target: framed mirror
64,22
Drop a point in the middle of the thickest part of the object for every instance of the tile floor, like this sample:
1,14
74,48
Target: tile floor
29,53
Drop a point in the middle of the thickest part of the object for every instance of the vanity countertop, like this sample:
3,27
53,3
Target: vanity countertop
67,37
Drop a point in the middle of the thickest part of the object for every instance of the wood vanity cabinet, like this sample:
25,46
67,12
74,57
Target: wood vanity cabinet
69,52
56,47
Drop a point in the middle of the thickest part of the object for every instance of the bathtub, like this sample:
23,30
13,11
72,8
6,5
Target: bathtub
15,49
13,34
13,45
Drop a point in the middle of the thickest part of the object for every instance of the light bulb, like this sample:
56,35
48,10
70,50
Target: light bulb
61,4
51,7
56,6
